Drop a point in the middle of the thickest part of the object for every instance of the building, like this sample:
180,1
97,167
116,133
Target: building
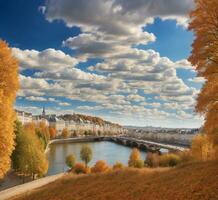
24,117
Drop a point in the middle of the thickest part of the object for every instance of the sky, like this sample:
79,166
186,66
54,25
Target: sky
123,60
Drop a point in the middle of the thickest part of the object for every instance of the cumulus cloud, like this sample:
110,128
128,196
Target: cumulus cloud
48,59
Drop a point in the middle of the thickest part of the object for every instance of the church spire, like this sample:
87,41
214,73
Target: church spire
43,111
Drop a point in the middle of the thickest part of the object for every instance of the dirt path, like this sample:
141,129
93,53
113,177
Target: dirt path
17,190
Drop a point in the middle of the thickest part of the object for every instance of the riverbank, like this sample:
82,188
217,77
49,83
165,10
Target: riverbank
195,181
27,187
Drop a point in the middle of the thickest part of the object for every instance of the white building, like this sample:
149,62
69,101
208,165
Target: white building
24,117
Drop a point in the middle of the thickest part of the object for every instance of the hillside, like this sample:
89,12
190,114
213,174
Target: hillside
198,181
87,118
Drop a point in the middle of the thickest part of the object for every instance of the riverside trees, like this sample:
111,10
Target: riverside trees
204,24
8,88
28,157
86,154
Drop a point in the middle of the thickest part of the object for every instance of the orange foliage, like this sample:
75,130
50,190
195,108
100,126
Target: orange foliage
52,132
65,133
205,57
202,148
134,156
100,166
80,168
8,88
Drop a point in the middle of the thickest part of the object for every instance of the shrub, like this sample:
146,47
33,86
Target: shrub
118,166
169,160
139,164
100,166
65,133
152,160
134,156
70,161
80,168
185,156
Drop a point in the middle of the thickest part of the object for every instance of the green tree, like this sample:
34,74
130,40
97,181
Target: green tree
70,161
29,157
86,154
18,130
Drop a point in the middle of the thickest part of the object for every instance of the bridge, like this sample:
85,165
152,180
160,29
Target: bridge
146,145
127,141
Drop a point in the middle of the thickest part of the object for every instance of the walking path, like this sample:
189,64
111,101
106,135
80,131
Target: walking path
20,189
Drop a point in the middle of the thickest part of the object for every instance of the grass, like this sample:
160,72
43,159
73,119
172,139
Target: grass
196,181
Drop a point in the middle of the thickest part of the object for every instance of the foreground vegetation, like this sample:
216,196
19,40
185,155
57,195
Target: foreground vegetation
196,181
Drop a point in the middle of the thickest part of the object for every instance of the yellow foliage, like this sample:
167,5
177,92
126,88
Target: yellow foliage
204,24
8,88
202,148
100,166
65,133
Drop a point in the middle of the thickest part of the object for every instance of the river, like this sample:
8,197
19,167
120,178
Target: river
108,151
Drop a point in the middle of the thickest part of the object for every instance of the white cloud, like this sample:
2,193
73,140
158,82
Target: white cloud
49,59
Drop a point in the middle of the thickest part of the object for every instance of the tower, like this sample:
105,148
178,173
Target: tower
43,112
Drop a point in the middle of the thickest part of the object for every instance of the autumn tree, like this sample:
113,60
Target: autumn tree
65,133
8,88
134,159
52,132
100,166
28,157
70,161
202,148
204,24
42,132
86,154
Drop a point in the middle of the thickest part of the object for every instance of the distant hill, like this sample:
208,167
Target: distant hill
87,118
196,181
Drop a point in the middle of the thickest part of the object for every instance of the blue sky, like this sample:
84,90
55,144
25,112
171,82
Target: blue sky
121,60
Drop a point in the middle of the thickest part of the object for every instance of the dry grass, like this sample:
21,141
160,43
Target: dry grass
197,181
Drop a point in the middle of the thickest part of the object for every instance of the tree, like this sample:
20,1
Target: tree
42,132
29,157
202,148
86,154
100,166
204,24
70,161
65,133
8,88
52,132
134,156
18,130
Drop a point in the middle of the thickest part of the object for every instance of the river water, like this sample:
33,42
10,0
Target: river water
108,151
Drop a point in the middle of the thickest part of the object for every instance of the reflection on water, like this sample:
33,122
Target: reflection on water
108,151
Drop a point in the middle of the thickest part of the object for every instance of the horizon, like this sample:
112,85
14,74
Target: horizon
124,65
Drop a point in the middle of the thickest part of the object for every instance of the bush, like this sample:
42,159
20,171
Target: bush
80,168
70,161
185,156
169,160
134,156
118,166
100,166
152,160
65,133
139,164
